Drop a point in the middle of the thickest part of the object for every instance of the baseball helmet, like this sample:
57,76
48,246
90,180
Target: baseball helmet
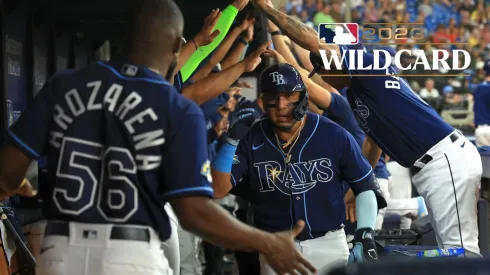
486,67
284,78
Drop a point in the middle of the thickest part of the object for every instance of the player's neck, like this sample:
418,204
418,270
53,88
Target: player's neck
487,79
152,64
287,135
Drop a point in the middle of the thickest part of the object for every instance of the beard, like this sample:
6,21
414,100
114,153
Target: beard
171,69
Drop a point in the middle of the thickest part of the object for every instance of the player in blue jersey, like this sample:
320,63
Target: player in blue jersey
447,167
481,107
121,143
291,165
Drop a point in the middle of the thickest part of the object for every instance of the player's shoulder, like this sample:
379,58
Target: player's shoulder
326,124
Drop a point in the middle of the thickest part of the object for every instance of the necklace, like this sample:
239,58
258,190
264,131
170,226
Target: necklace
281,147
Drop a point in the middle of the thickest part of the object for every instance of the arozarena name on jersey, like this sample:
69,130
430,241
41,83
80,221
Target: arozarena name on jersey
383,59
124,112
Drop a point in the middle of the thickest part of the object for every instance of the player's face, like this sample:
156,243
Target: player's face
280,109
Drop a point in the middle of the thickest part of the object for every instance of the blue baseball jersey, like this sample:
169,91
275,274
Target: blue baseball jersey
310,187
115,136
403,125
481,106
339,112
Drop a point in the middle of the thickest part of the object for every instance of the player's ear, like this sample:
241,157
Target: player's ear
177,46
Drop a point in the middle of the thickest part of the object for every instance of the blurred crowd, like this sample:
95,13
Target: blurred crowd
447,24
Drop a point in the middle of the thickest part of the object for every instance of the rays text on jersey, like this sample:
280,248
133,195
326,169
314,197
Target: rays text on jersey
298,178
128,110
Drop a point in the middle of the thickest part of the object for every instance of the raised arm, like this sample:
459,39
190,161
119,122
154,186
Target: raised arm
371,151
211,86
300,33
235,55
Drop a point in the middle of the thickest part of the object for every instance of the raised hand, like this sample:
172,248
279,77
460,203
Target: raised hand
253,60
208,32
248,34
283,255
276,55
246,23
241,123
240,4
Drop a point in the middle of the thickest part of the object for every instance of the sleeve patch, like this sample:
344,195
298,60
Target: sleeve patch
206,171
235,159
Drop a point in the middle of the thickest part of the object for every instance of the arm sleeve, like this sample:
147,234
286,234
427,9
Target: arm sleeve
186,168
239,171
30,133
223,25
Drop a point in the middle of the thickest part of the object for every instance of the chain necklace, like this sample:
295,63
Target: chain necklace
281,146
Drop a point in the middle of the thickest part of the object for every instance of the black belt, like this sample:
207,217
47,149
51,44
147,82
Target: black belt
117,232
427,158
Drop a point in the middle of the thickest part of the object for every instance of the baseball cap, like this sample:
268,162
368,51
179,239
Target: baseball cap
486,67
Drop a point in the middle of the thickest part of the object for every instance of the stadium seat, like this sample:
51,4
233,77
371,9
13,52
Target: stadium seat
459,118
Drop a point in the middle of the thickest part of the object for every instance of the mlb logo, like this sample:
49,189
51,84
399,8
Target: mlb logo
339,33
130,70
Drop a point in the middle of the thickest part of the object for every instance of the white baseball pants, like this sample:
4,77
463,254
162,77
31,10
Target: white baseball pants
402,207
482,135
171,246
450,185
189,253
78,255
325,253
400,187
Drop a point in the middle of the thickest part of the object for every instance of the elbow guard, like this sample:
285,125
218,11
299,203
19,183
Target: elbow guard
370,183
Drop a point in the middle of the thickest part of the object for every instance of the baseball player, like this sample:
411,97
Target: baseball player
290,166
447,167
481,107
117,136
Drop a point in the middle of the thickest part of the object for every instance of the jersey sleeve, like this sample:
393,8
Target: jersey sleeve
355,169
239,170
30,133
186,169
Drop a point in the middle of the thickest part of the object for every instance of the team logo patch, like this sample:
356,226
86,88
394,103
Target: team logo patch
206,171
339,33
235,159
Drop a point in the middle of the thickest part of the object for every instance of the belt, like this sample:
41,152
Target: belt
117,232
427,158
322,234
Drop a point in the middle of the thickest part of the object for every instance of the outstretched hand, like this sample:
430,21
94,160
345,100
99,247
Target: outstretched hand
208,32
284,257
276,55
253,60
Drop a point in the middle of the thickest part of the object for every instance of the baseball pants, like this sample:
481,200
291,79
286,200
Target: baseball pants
482,135
189,253
450,184
325,253
90,250
402,207
400,187
171,246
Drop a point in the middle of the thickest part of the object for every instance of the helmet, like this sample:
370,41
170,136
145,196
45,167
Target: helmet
486,67
284,78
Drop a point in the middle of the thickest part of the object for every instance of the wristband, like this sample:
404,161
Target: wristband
195,45
224,158
276,33
241,40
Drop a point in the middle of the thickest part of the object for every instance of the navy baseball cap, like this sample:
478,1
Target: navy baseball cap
281,78
486,67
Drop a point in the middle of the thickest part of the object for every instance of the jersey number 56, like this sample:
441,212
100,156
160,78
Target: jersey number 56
90,174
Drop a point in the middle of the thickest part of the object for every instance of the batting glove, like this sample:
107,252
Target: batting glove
364,246
239,126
